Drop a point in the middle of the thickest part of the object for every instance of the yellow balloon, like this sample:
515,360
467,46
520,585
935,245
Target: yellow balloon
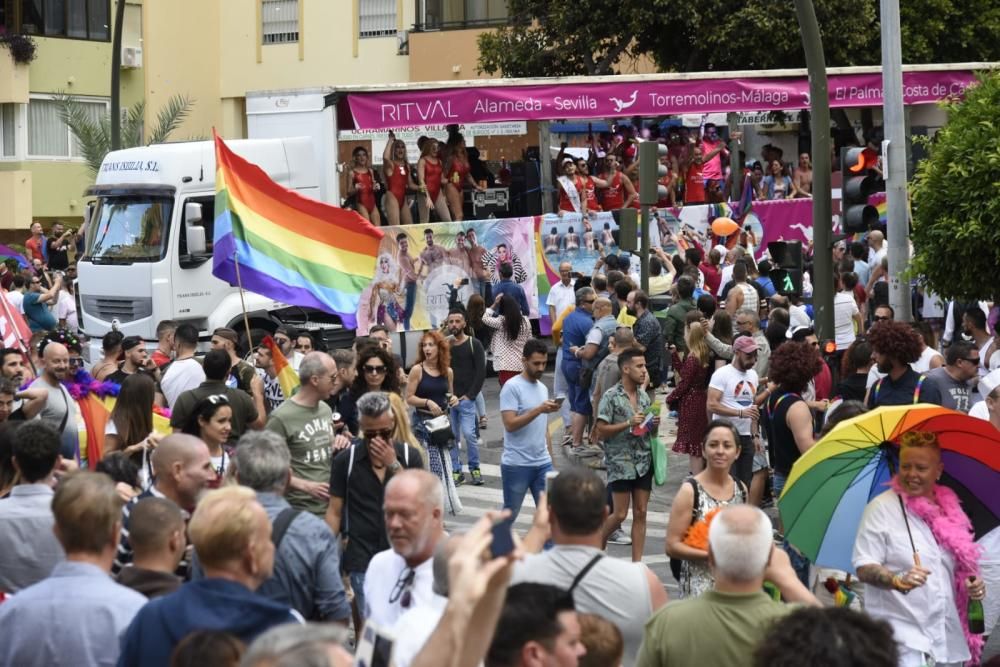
724,226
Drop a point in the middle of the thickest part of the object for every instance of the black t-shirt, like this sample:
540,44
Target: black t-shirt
118,377
911,388
58,255
363,495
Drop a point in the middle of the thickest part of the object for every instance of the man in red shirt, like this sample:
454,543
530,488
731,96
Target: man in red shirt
35,244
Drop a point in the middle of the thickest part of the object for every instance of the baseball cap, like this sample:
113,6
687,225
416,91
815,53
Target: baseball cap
799,332
989,382
227,333
745,344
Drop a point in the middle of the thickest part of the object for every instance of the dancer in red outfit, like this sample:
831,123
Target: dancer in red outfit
364,186
396,170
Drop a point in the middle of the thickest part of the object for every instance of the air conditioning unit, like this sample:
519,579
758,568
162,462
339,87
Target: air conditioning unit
131,57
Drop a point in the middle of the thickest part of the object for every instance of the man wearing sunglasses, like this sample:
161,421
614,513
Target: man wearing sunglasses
358,478
37,302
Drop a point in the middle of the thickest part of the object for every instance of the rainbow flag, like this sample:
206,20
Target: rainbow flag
287,377
289,247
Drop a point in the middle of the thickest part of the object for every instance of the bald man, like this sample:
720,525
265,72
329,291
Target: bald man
58,410
414,510
182,467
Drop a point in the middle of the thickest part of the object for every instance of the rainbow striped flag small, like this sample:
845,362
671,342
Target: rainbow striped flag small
287,377
290,248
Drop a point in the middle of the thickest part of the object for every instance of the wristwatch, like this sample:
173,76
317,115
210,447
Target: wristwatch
395,467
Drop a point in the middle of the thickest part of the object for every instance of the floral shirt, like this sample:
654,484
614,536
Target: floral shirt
627,456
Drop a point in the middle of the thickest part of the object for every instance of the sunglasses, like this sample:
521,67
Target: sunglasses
374,370
385,434
974,362
880,319
401,591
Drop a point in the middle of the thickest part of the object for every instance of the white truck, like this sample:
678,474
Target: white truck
148,252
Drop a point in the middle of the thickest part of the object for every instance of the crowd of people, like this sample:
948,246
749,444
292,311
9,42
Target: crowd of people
209,518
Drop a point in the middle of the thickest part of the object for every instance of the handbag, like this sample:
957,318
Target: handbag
439,431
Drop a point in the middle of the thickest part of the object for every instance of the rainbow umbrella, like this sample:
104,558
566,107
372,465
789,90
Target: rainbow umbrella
830,485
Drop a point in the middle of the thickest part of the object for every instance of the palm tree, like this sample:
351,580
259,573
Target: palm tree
93,135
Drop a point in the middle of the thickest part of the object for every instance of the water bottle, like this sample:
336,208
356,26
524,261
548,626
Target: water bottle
977,623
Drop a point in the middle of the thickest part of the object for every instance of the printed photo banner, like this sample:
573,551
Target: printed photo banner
570,239
422,267
553,101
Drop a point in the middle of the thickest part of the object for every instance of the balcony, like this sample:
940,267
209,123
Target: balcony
432,15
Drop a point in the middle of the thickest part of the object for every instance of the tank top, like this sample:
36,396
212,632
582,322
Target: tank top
694,185
780,439
397,182
750,298
433,388
667,182
564,203
614,197
613,588
432,177
591,194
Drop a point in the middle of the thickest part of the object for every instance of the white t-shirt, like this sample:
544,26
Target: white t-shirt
738,389
66,310
727,275
561,297
183,374
384,571
844,308
16,299
980,411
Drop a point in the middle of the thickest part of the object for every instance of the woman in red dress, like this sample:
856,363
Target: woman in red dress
364,187
457,175
691,394
429,172
396,170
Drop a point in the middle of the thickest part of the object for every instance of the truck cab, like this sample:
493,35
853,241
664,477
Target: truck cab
148,246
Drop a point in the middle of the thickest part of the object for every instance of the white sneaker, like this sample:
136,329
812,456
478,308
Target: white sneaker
618,537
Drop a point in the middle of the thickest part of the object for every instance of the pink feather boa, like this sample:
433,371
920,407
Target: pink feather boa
953,532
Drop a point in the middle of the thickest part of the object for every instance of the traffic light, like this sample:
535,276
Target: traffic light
859,182
650,172
786,260
628,228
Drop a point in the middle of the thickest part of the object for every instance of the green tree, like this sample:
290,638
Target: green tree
569,37
956,210
93,135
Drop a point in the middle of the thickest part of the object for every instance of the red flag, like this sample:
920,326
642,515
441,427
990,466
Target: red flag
14,331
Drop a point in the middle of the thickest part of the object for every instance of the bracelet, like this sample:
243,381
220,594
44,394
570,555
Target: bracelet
741,414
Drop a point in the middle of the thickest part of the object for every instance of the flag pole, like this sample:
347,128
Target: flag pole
243,303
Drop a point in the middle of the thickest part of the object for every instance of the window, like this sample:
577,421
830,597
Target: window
48,136
459,14
378,18
77,19
279,21
8,130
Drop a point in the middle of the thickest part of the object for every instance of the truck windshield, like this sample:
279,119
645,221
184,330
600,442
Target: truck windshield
126,229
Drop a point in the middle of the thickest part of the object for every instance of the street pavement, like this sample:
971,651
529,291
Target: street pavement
476,500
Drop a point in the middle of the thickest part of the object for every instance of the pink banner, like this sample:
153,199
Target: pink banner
378,110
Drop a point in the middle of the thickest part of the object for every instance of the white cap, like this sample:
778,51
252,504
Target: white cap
989,382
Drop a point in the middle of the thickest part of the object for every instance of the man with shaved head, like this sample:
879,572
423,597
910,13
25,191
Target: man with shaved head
182,469
158,541
59,410
403,576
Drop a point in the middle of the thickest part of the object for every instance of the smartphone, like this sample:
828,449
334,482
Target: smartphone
375,647
503,537
465,281
549,476
559,399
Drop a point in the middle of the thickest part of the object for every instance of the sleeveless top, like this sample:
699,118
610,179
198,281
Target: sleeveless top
564,203
614,196
398,178
432,177
364,183
590,190
695,575
613,588
750,298
781,440
433,388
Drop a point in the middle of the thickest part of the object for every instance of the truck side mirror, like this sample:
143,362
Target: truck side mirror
195,233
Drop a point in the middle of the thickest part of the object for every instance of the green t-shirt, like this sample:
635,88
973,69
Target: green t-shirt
309,435
712,629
